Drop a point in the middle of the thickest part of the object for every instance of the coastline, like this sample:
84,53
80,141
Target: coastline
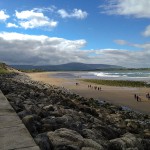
122,96
56,117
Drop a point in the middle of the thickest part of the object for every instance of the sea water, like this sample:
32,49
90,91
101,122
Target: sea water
132,75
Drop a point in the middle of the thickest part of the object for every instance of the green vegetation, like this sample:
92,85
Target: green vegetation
3,71
31,70
3,68
118,83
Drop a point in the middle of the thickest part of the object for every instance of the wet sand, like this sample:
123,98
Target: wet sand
123,96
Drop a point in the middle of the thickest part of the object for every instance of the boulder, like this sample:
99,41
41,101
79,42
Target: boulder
49,108
32,122
23,113
128,140
65,137
43,141
92,144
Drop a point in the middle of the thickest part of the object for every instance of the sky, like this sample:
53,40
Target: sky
46,32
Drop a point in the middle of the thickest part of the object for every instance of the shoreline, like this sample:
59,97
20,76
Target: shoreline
121,96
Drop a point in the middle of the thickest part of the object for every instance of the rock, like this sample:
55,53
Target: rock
88,133
88,148
132,126
32,122
65,137
69,137
92,144
146,144
126,141
107,132
147,133
68,103
49,108
33,109
23,113
43,141
66,147
88,110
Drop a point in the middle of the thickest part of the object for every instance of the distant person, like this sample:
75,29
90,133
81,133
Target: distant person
135,96
138,99
77,83
147,95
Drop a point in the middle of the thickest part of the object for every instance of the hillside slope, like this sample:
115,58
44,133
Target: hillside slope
67,67
6,69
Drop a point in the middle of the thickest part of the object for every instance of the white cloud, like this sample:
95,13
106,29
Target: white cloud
146,33
3,16
17,48
32,19
33,49
11,25
43,9
76,13
135,8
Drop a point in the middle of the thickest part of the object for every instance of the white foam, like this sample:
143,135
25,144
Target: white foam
102,74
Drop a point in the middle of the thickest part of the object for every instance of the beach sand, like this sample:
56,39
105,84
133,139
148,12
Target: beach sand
122,96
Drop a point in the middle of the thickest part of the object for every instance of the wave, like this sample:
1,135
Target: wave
102,74
121,74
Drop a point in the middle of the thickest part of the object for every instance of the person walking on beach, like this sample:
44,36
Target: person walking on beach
77,83
135,96
138,98
147,95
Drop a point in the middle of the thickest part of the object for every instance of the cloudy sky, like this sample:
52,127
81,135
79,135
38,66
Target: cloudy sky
42,32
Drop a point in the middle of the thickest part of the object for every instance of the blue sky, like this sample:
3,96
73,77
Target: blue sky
40,32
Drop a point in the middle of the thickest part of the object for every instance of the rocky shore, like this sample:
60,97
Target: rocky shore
61,120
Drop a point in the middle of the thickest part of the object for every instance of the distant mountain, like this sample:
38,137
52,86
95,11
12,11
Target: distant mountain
67,67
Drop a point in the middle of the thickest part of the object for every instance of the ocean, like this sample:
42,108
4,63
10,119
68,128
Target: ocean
132,75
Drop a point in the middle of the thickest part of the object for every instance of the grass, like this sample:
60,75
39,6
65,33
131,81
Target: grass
31,70
3,68
118,83
3,71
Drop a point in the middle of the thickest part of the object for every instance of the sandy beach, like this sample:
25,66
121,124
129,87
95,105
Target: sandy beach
123,96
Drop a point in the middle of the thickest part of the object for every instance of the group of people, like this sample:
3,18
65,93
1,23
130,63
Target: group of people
138,98
90,86
95,87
